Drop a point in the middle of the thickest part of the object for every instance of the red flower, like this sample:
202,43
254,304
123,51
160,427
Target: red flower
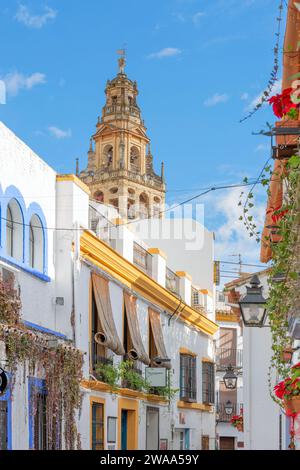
280,390
278,214
296,366
282,103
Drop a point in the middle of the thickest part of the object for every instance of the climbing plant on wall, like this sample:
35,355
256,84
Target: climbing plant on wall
59,365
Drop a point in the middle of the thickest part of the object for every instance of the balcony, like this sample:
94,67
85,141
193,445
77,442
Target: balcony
197,301
101,226
229,357
172,282
223,417
134,377
142,259
108,173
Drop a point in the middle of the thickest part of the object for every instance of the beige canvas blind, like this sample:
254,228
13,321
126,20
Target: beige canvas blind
158,336
134,329
109,334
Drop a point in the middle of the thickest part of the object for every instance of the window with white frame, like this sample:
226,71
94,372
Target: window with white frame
36,243
14,230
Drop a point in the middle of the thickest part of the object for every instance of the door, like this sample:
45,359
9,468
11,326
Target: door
124,429
226,443
152,433
186,439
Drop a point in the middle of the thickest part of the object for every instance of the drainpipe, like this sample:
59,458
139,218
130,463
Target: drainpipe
75,258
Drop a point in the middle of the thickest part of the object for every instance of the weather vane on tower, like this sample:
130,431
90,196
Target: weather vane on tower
122,59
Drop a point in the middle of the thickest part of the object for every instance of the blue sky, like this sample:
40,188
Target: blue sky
198,63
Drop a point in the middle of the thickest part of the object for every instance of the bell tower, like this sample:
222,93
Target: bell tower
120,164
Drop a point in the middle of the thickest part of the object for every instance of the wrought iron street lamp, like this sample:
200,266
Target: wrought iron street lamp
229,408
253,304
230,379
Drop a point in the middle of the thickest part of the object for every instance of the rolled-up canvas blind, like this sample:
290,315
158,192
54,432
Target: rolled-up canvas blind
102,299
158,336
134,329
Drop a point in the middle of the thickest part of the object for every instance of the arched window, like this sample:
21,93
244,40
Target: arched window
144,206
36,244
135,160
9,232
108,154
99,196
14,230
31,245
156,207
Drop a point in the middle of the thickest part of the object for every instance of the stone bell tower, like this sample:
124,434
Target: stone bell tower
120,164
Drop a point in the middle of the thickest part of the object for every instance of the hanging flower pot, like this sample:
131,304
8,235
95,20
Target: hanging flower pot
238,422
240,427
287,354
292,405
288,140
275,236
288,390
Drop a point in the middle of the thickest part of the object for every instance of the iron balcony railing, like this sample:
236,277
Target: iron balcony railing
114,109
172,281
223,408
101,226
196,301
111,174
142,259
229,357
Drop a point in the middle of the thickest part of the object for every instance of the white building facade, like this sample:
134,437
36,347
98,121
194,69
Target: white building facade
88,282
229,356
266,427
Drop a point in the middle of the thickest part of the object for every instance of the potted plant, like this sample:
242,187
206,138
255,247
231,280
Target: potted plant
287,354
237,422
288,390
286,107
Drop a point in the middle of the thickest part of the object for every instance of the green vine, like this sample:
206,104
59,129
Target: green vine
284,296
59,365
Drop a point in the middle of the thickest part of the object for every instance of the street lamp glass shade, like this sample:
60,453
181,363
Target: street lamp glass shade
253,304
253,314
230,379
228,408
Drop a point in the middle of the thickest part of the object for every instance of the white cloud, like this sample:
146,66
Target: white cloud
231,234
59,133
262,148
24,16
216,99
275,89
197,16
166,52
17,81
245,96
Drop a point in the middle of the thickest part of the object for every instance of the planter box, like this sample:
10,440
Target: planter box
293,404
287,139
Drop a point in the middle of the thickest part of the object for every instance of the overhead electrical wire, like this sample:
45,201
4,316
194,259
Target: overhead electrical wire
211,189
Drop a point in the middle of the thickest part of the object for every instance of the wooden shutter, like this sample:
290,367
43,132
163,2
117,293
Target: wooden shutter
205,443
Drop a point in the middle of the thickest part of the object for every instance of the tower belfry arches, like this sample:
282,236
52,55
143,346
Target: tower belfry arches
119,155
